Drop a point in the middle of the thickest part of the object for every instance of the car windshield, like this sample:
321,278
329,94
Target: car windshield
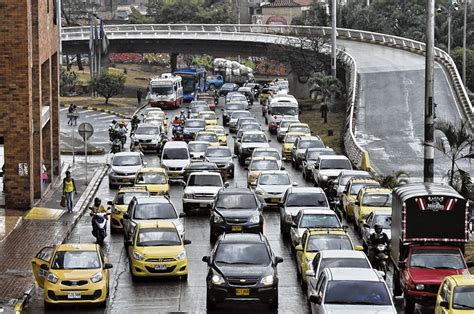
207,137
238,98
302,129
147,131
377,200
236,201
227,86
218,152
307,200
384,220
207,116
151,178
75,260
197,147
357,186
319,221
194,124
274,179
310,144
314,155
254,138
125,198
463,298
342,262
264,165
234,107
199,108
242,253
218,131
162,90
328,242
335,164
345,178
158,237
236,115
176,153
281,111
284,124
437,259
245,120
155,211
357,292
123,161
249,127
205,180
201,166
291,138
266,153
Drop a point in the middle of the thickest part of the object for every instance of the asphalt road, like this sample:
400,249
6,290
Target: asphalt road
163,295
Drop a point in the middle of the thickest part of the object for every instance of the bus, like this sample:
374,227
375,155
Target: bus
165,91
194,81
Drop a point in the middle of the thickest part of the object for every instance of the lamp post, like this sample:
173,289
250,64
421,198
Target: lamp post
333,49
428,162
465,2
453,6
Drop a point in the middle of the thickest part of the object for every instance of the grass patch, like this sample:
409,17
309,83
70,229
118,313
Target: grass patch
335,122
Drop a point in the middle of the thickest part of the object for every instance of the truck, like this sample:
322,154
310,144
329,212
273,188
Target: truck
429,232
165,91
227,71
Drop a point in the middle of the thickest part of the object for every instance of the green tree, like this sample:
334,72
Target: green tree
68,81
456,54
109,85
325,86
136,17
391,181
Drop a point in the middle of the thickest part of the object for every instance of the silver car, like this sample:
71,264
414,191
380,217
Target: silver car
310,158
235,115
271,185
283,126
147,135
124,166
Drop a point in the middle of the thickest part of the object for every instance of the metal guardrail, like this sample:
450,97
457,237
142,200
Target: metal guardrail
271,33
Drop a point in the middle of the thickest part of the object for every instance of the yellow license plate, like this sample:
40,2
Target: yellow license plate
125,180
242,292
274,200
236,228
175,174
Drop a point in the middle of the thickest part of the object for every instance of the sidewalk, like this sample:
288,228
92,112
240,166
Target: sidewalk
21,245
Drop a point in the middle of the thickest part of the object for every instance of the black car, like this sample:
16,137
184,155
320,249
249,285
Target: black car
235,210
191,127
228,108
200,166
223,158
242,267
227,87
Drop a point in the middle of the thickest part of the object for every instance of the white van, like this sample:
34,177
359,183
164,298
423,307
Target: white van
165,91
279,106
174,158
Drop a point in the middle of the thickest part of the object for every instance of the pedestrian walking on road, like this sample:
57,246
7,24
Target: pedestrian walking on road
139,96
44,176
69,190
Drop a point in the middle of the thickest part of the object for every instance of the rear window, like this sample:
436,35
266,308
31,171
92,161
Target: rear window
236,115
125,198
264,165
335,164
194,124
155,211
357,292
198,147
176,153
236,201
205,180
343,262
307,200
356,187
310,144
319,221
328,242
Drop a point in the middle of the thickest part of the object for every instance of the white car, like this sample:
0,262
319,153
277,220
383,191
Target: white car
174,157
271,185
124,166
328,167
265,152
197,149
234,116
283,126
351,290
312,218
201,190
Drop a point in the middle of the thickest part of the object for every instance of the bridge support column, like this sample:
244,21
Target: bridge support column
297,87
173,62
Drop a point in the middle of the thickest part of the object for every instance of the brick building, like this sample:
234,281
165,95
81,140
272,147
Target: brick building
29,97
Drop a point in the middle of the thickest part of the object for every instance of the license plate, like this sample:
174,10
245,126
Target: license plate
74,295
175,174
125,180
236,228
160,267
274,200
144,145
203,205
242,292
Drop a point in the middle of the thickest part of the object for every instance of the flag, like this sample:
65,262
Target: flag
104,39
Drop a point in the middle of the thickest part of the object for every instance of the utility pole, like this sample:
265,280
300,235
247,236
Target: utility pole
464,44
428,172
449,32
333,50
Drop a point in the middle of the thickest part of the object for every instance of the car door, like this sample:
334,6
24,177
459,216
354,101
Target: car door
294,230
42,258
320,287
444,294
365,230
127,227
299,254
312,281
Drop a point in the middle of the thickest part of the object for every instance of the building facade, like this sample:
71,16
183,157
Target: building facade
29,97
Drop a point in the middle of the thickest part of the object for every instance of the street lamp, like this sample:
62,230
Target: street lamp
453,6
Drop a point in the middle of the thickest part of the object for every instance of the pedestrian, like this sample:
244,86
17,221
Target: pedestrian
75,115
324,112
139,96
69,190
44,176
70,114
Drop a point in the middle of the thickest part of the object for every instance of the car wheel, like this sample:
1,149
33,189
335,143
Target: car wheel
302,283
210,305
409,305
48,306
184,277
274,304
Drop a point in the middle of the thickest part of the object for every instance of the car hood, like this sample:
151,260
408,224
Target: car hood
192,130
433,276
362,309
243,271
330,172
175,163
274,188
294,210
254,145
75,274
144,137
202,189
219,160
126,169
160,251
236,213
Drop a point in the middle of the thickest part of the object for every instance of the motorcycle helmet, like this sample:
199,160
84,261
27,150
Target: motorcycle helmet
97,201
378,228
114,121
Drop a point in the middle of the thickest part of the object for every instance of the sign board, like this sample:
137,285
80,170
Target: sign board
85,130
23,169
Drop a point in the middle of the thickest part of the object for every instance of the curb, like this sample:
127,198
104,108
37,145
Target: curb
120,115
81,206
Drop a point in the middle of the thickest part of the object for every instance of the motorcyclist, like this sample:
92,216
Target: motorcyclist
182,116
176,121
134,122
122,132
96,209
376,238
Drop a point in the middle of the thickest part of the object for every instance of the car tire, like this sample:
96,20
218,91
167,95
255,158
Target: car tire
184,278
397,289
302,283
409,305
48,306
210,305
274,304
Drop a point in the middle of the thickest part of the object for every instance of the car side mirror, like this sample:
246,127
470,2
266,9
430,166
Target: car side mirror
246,168
310,273
110,203
108,266
126,216
357,203
226,184
182,215
315,299
444,304
234,156
278,260
282,168
44,267
359,248
222,109
294,184
186,242
206,259
299,247
269,141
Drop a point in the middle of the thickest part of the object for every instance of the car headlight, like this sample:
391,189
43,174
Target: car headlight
97,277
52,278
420,287
112,173
137,256
324,178
260,192
218,219
181,256
255,219
217,279
188,195
267,280
115,210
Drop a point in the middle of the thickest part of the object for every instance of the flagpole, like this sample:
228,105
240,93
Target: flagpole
91,53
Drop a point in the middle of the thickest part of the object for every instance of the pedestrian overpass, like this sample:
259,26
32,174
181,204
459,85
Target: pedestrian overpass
386,86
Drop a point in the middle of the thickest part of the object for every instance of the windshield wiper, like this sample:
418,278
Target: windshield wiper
422,266
464,306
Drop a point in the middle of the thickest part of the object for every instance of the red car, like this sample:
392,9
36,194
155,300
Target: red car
210,101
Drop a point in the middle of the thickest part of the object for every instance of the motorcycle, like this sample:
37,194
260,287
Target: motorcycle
99,226
381,259
116,146
135,146
178,134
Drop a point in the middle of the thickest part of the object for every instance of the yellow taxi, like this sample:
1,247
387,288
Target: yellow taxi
265,94
157,250
72,274
456,295
220,132
120,204
350,192
288,142
208,116
259,164
318,239
155,179
207,136
371,199
299,128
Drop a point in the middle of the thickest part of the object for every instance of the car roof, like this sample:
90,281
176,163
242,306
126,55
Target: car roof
363,179
132,189
157,224
151,169
310,138
269,172
342,254
242,238
263,158
294,134
266,149
175,144
327,231
152,199
77,247
127,154
238,111
207,112
198,142
299,124
374,189
349,274
383,212
253,132
305,189
195,119
209,127
315,211
355,173
321,149
205,173
462,280
332,157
